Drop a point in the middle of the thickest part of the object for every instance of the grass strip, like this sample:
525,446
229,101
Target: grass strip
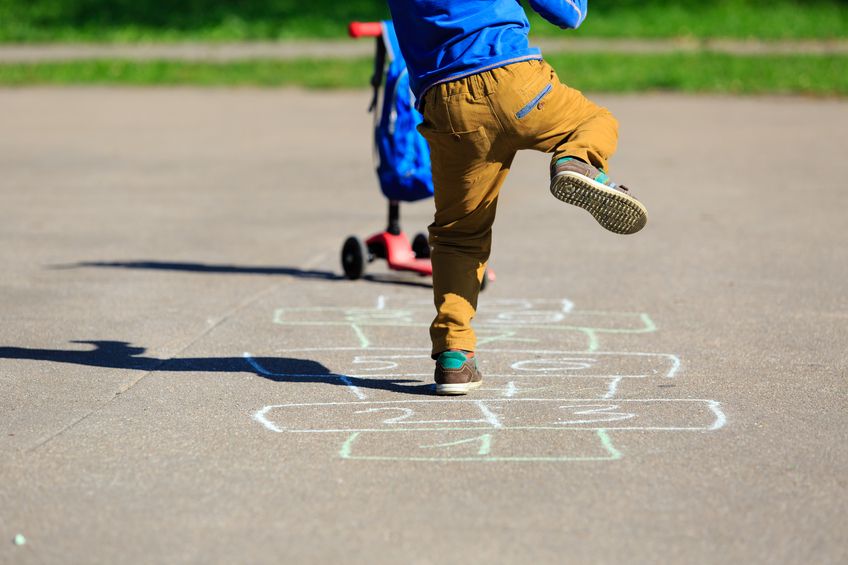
824,75
309,73
737,19
605,72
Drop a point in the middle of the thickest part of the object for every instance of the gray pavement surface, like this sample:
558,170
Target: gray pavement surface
185,378
346,48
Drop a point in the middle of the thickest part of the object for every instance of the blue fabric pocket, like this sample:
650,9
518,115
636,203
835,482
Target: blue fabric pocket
530,105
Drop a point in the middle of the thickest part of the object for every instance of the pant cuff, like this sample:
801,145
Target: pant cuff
438,348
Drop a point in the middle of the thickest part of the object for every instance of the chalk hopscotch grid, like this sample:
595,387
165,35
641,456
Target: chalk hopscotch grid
359,318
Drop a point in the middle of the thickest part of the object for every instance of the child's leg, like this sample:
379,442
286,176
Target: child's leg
461,238
548,116
469,166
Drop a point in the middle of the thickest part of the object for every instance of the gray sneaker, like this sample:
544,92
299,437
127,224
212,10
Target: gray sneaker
612,205
456,373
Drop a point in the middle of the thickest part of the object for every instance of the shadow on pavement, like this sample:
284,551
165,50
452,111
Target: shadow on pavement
205,268
122,355
242,270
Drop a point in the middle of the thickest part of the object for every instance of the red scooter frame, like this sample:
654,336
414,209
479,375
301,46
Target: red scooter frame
391,245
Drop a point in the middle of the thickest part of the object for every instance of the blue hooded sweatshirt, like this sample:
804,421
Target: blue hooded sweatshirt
444,40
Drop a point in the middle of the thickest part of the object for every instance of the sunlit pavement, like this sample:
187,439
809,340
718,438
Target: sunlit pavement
186,377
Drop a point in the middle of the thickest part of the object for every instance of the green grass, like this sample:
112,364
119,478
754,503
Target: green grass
718,19
303,72
228,20
686,72
706,72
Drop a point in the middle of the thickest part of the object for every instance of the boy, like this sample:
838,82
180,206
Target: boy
485,94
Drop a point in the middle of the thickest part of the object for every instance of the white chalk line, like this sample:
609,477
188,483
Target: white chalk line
389,376
561,428
461,421
425,307
482,350
675,365
483,326
487,376
344,378
573,363
350,349
386,376
488,350
721,418
511,389
461,400
613,387
259,416
353,388
485,323
490,416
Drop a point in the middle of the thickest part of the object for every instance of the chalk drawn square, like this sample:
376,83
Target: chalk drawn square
493,414
474,446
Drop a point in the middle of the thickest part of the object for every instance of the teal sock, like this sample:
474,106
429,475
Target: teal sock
452,359
602,176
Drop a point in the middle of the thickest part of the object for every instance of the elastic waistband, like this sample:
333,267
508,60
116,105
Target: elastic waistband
477,82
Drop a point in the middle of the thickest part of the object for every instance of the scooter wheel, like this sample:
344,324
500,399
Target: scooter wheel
354,258
421,246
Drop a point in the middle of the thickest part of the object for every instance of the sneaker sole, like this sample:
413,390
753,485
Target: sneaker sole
456,389
614,210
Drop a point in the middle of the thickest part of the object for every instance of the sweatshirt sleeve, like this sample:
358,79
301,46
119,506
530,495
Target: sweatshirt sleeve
567,14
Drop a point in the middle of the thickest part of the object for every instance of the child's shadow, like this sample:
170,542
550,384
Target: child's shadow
122,355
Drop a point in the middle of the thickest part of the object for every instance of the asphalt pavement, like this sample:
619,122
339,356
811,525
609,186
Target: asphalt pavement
185,376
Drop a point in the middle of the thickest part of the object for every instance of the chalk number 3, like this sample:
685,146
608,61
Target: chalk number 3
600,413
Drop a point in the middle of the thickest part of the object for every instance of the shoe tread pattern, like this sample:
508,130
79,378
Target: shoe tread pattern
614,210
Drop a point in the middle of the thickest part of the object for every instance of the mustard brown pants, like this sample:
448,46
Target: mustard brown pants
474,127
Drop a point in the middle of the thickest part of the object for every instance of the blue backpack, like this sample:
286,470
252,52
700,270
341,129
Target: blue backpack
404,157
